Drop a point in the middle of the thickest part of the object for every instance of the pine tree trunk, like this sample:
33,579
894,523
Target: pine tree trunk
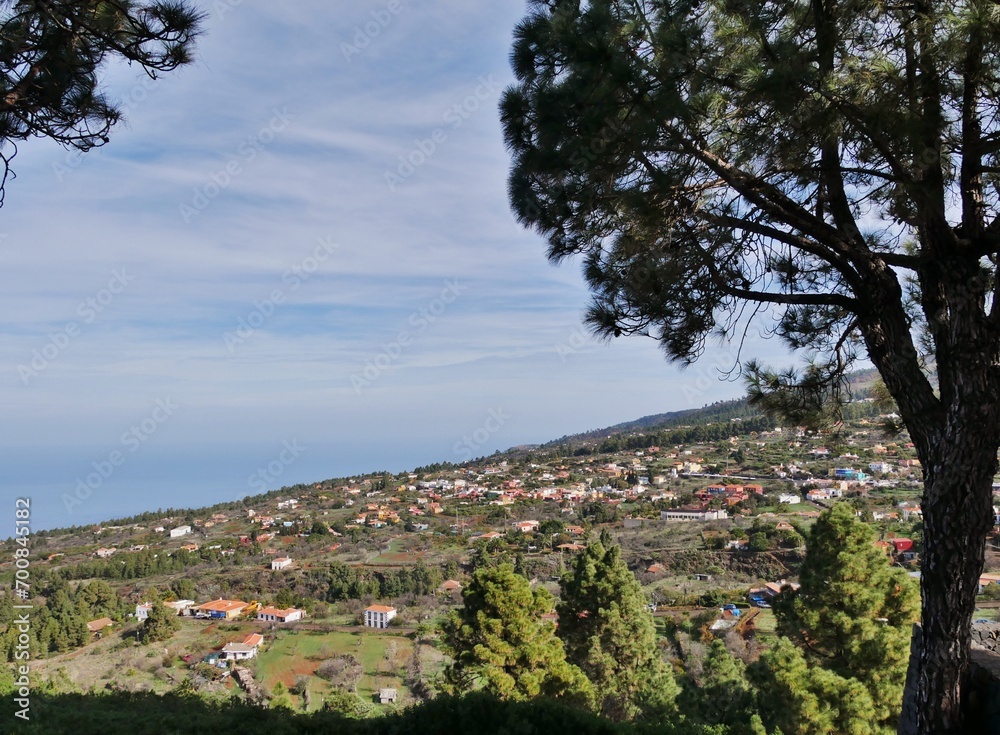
958,515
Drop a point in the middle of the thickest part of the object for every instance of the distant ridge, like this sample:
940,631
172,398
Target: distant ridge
720,411
861,382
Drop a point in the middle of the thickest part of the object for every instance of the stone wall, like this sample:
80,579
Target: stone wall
983,697
986,635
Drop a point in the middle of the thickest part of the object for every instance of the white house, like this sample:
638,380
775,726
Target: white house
180,531
693,515
274,615
378,616
789,498
181,607
240,651
280,563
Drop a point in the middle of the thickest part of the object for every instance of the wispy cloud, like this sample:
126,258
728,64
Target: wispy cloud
289,144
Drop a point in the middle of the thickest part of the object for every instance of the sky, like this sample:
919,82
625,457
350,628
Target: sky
295,261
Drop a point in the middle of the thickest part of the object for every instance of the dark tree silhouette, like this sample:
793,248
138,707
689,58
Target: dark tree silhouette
53,51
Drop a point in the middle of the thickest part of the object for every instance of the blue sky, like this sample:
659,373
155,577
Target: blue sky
303,237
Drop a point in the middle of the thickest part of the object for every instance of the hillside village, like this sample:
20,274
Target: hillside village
340,584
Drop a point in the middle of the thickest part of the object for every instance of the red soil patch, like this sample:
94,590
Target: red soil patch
305,668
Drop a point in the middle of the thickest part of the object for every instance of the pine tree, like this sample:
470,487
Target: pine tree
606,626
280,698
851,619
160,625
717,167
805,699
722,694
52,53
854,611
500,642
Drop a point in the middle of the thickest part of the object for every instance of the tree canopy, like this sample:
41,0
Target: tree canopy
851,619
52,54
160,624
501,644
823,171
853,611
607,629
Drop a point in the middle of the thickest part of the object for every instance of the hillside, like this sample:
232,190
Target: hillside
705,505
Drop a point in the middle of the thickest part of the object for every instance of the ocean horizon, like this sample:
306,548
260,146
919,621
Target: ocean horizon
83,486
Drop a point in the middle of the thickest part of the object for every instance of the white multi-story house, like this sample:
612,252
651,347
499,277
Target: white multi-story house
378,616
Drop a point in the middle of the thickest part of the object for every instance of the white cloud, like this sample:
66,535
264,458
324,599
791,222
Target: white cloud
309,137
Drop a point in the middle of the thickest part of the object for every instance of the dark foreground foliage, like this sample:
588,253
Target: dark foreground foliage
149,714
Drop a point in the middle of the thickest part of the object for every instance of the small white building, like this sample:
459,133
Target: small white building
275,615
181,607
378,616
693,515
280,563
789,498
241,651
180,531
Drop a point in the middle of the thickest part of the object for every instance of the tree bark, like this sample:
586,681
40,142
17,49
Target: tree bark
958,515
956,434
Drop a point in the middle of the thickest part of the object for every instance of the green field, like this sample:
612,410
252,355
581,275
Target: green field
765,622
397,552
383,659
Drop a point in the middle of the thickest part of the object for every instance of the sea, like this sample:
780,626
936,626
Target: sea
82,486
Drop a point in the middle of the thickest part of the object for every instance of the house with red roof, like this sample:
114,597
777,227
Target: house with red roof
272,614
